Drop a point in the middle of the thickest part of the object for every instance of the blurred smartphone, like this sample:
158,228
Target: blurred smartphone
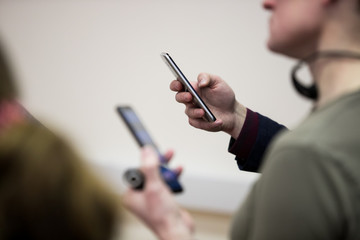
181,77
133,176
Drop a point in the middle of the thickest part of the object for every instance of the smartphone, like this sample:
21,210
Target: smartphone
188,87
134,176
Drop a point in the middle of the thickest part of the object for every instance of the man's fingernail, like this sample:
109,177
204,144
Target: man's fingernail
202,82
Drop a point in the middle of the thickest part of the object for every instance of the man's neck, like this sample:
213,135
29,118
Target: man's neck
335,77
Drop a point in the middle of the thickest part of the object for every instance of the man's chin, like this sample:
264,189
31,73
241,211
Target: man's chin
295,50
284,50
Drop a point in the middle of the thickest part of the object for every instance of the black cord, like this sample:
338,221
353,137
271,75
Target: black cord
311,91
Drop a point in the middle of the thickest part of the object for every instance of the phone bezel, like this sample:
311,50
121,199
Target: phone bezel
187,85
121,110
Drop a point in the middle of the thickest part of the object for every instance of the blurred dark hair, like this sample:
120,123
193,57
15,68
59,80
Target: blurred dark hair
47,192
7,82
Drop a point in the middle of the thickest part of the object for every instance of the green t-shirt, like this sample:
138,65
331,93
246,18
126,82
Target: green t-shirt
310,182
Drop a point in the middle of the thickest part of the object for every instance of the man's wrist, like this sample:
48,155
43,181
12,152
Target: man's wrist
239,120
176,227
175,233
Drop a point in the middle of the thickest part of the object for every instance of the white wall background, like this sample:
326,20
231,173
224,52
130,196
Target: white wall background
76,60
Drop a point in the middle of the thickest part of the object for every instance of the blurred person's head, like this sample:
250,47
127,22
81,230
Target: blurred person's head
47,192
10,111
7,83
298,28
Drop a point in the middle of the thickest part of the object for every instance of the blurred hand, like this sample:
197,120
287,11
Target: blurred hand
155,205
220,99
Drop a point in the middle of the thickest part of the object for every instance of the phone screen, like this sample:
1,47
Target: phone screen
136,127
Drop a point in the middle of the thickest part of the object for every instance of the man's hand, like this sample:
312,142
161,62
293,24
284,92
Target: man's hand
155,205
219,97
